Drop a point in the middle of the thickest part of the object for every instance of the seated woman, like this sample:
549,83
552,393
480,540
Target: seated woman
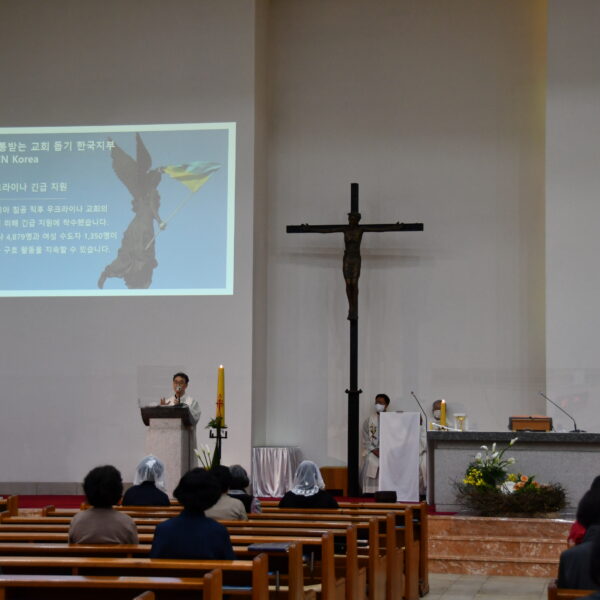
238,487
101,524
595,569
574,565
577,531
308,490
149,477
226,507
192,534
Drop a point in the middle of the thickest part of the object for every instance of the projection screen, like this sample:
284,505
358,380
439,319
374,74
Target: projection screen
131,210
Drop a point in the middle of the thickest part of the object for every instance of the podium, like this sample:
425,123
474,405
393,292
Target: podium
169,437
399,449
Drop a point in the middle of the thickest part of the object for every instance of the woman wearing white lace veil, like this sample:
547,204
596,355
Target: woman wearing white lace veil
308,489
148,484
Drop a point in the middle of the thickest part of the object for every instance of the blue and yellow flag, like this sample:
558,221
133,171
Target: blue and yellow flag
193,175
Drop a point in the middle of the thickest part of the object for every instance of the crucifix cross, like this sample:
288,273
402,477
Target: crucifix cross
353,233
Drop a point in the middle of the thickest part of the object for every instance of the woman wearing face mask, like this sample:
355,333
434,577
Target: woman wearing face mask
370,446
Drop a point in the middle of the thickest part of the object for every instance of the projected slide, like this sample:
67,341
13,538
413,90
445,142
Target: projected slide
130,210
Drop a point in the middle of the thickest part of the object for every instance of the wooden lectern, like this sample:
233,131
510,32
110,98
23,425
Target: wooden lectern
168,438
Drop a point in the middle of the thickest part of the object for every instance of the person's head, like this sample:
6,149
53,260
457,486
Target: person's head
180,383
197,490
307,479
588,509
382,401
354,218
149,469
103,486
436,409
223,477
239,477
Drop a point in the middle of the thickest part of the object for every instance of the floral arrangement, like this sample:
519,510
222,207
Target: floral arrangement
204,457
488,489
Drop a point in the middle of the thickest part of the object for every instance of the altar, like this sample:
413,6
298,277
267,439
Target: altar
571,459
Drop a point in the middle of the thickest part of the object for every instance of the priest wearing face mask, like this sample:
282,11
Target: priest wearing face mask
370,446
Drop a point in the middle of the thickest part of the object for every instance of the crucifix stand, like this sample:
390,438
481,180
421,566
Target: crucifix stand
353,233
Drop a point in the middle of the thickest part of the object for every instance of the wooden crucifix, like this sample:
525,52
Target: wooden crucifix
353,233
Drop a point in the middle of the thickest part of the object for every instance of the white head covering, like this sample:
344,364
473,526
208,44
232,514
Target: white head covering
307,479
150,469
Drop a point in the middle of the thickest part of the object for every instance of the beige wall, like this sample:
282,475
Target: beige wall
71,369
437,110
573,212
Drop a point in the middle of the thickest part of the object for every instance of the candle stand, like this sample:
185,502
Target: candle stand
218,432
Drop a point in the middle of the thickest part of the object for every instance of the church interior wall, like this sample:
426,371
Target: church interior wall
573,213
437,111
72,369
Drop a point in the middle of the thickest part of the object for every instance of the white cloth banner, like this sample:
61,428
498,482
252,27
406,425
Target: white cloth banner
399,454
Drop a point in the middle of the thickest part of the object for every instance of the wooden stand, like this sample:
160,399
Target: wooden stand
336,478
530,423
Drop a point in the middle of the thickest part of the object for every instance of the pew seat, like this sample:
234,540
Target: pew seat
72,587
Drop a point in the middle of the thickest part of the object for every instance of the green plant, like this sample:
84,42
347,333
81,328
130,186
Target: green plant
487,489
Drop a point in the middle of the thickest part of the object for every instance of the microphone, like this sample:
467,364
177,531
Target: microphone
424,413
574,430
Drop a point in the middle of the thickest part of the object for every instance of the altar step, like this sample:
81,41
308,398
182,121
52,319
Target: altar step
496,546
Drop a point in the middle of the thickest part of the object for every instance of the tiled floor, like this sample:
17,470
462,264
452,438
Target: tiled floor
484,587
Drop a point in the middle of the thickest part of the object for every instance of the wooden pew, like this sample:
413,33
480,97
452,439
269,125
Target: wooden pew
292,565
50,587
9,506
402,562
556,593
240,577
42,531
420,513
411,525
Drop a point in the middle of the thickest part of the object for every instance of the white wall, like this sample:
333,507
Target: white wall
437,110
71,370
573,212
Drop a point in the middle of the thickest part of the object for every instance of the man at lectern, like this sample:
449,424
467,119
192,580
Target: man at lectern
369,477
179,397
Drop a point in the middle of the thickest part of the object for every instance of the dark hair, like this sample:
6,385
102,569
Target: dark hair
385,397
588,509
183,376
197,490
103,486
223,476
239,477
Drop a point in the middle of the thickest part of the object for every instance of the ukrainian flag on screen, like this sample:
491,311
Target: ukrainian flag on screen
193,175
